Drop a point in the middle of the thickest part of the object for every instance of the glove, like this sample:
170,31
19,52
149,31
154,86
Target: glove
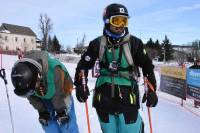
151,98
82,95
44,118
62,116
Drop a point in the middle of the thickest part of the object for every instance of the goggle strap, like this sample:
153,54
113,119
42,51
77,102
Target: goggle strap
106,21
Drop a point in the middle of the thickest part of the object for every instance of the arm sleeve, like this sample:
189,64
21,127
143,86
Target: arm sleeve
87,60
58,99
37,103
142,59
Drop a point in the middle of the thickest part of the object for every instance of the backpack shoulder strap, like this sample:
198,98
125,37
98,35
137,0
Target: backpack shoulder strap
127,50
102,47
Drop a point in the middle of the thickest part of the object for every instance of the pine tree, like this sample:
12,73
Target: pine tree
55,44
157,45
150,43
167,49
50,44
158,48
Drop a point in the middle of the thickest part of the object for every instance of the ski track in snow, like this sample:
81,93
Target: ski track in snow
167,117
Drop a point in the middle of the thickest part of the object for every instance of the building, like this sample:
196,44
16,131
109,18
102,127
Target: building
13,37
187,49
191,51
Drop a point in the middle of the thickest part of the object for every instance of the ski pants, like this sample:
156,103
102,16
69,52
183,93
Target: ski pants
55,127
117,125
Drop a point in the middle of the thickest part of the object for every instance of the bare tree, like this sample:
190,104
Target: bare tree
180,57
80,48
83,41
46,27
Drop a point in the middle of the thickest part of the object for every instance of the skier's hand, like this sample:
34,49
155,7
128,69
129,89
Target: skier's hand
44,118
81,94
150,98
82,91
62,116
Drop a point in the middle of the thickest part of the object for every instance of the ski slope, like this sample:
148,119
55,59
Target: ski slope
167,117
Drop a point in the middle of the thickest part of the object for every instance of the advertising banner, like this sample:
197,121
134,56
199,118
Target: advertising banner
173,81
193,83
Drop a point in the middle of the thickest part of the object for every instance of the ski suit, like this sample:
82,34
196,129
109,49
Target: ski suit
116,95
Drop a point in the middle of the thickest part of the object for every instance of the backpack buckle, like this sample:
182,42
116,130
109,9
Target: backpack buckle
113,66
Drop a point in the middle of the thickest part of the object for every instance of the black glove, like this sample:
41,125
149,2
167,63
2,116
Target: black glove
44,118
62,116
151,98
82,95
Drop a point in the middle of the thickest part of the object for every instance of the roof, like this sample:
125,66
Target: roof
16,29
182,46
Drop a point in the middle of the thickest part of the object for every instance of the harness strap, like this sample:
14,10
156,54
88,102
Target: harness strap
124,46
128,55
121,74
102,47
124,43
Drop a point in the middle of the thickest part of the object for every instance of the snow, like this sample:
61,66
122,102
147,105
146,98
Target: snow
167,117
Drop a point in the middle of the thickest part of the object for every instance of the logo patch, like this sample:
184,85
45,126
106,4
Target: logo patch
144,51
87,58
121,10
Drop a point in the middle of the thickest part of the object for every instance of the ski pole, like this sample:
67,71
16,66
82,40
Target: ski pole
86,105
146,83
3,76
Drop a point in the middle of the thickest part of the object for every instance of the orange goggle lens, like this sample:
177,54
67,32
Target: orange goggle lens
119,21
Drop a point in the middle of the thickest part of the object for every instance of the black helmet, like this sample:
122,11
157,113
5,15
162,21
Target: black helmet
114,9
23,77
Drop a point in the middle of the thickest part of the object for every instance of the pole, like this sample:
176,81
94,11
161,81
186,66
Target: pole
86,105
1,58
146,83
3,76
10,111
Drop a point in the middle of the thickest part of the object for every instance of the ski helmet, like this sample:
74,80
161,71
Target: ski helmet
111,11
24,77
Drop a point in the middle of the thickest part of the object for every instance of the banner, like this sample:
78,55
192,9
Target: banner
193,83
174,71
173,81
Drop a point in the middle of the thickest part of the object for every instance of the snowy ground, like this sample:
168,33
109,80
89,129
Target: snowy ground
167,117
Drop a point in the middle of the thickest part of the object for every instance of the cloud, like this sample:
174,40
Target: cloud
187,8
175,11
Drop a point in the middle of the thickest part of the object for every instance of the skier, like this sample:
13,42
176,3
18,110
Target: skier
46,83
196,64
116,95
19,53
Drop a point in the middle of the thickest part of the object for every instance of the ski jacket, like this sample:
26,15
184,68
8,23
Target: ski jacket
138,53
117,91
56,80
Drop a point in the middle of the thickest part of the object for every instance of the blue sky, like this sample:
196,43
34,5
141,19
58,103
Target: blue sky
178,19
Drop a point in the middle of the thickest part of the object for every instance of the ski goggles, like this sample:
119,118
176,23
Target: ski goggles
119,21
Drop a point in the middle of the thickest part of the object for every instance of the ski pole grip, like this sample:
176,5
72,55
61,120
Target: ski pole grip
3,75
83,79
149,84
